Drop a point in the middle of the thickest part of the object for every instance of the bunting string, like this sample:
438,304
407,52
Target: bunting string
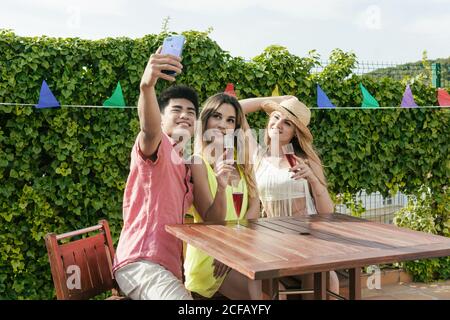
47,100
67,105
312,108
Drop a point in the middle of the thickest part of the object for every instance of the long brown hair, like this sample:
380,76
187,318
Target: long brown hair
209,108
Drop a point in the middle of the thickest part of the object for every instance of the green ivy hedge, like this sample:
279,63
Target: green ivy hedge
65,169
425,214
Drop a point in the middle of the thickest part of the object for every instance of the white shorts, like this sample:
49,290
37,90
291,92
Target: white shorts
144,280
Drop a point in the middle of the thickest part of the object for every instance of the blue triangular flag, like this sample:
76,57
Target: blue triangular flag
322,99
46,98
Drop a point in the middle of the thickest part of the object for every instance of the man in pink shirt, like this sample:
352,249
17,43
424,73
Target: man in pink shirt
148,261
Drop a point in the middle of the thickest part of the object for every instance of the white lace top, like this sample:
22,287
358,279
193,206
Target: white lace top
279,193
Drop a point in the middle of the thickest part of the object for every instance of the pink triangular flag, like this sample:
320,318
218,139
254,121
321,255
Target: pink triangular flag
230,90
443,97
408,99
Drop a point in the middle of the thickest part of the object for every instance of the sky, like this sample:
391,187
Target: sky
378,30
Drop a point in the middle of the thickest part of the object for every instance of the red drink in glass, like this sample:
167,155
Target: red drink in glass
237,200
291,159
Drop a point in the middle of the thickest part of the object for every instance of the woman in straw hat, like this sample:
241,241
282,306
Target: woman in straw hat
286,189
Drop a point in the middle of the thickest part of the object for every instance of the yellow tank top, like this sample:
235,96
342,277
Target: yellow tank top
198,266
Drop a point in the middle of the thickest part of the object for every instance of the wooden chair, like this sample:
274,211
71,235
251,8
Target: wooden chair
82,269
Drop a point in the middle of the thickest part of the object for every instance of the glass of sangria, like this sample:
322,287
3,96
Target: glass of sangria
238,197
288,150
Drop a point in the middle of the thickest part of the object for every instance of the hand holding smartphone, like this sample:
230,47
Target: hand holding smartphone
173,45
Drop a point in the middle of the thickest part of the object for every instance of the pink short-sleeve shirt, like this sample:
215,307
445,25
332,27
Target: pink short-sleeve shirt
157,193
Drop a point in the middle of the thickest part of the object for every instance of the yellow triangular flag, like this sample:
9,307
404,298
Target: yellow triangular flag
275,92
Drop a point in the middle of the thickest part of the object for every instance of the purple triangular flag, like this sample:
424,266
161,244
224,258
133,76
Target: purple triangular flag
46,98
322,99
408,99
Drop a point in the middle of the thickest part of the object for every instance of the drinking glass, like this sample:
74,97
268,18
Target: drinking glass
288,150
229,149
237,199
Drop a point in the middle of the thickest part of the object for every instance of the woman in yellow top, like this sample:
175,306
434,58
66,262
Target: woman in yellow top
212,174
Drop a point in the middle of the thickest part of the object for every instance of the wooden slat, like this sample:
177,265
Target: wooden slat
292,243
299,227
78,232
99,266
370,257
269,289
259,242
56,266
232,238
74,245
308,245
321,231
320,242
320,286
404,236
354,236
104,266
386,235
92,264
274,226
86,278
360,235
354,284
354,233
387,229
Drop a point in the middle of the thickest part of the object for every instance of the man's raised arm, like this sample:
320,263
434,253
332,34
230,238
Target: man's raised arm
148,108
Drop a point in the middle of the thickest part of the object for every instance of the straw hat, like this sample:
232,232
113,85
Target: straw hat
293,109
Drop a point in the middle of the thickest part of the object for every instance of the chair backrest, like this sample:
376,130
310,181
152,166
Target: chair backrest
82,269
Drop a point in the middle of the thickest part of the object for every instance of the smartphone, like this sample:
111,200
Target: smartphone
173,45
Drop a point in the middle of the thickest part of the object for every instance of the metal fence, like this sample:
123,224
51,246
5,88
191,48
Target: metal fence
436,73
374,206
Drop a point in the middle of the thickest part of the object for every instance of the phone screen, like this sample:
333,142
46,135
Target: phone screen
173,45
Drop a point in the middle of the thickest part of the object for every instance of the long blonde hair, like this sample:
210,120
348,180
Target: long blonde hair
303,148
209,108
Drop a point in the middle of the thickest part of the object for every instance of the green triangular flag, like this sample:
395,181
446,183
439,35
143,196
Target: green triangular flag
368,100
116,99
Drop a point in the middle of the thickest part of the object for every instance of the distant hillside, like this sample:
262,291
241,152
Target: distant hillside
414,69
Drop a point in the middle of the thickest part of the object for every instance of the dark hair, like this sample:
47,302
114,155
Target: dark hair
178,92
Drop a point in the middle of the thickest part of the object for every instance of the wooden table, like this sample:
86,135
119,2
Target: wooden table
267,249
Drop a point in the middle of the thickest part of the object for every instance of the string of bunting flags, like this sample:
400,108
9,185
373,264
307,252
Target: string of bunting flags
368,100
48,100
